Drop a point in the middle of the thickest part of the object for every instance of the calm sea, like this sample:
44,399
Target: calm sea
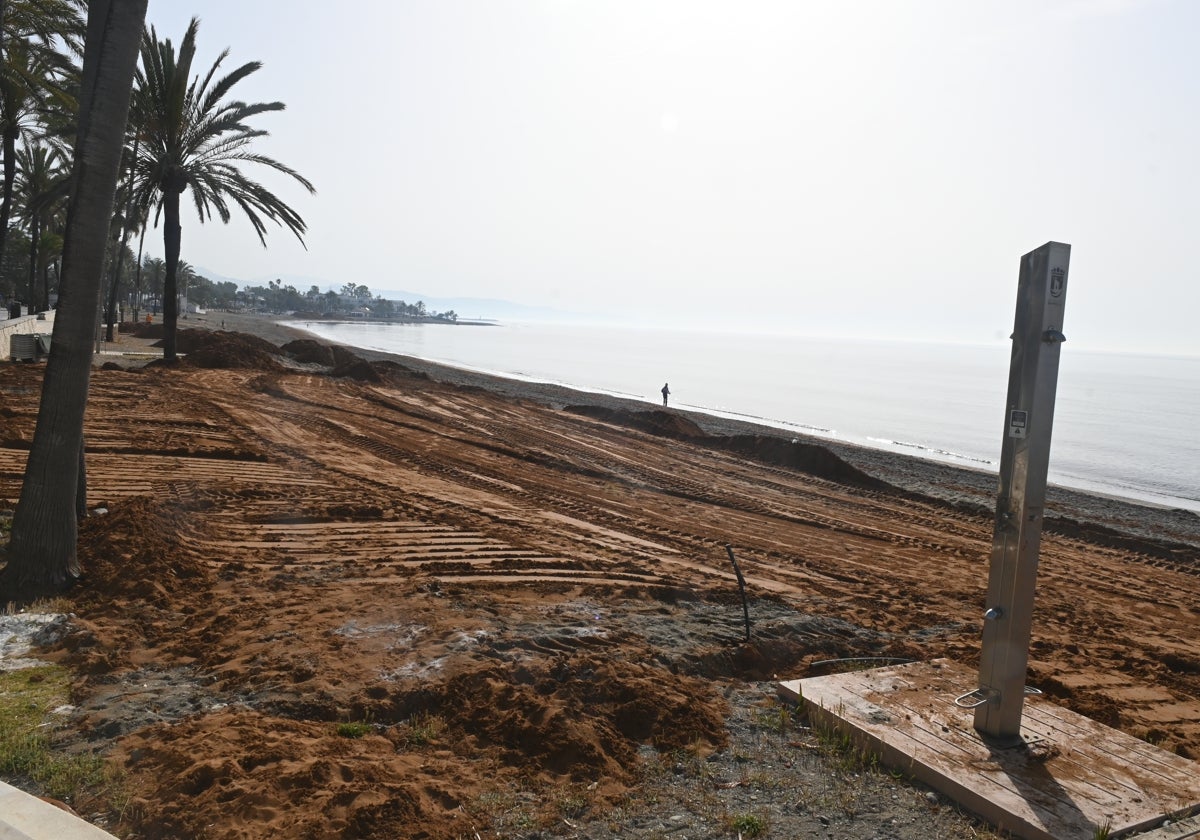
1124,425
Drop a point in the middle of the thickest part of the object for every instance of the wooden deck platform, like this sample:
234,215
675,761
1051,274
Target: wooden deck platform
1071,776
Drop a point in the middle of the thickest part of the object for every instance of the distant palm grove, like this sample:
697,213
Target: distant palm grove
188,140
351,301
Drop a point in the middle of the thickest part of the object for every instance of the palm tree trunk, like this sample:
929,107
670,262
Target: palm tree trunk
10,177
110,307
41,553
81,484
172,241
45,262
35,236
137,282
126,229
6,209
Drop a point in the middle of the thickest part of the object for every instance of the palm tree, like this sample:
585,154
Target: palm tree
44,22
185,275
42,551
125,222
35,76
192,139
155,271
42,185
136,297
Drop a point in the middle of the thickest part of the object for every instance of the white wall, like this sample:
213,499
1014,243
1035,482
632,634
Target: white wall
24,324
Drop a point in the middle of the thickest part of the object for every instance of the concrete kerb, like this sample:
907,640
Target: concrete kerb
25,817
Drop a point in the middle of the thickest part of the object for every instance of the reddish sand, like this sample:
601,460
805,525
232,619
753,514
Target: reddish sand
513,597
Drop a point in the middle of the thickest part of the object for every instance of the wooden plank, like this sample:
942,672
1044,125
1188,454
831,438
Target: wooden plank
1070,776
1188,829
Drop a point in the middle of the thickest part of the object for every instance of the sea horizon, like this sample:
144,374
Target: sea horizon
1121,419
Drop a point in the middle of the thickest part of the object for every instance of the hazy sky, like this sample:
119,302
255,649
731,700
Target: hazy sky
841,167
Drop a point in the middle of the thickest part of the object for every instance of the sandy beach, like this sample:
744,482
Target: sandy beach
522,594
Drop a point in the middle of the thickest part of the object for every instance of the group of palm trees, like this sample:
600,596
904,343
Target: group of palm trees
86,88
184,134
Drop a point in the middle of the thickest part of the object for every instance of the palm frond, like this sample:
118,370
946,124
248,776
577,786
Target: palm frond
192,136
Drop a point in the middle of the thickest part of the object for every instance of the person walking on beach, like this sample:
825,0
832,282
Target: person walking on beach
666,392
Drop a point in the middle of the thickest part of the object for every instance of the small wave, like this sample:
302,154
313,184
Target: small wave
757,419
932,450
1163,495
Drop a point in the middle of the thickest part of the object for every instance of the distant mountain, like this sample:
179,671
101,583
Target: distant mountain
467,308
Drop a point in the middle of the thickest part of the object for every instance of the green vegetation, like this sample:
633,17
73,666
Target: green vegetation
38,72
353,729
27,755
748,825
507,810
424,728
779,718
571,804
846,755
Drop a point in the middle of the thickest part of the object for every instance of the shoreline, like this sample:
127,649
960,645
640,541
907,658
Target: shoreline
954,484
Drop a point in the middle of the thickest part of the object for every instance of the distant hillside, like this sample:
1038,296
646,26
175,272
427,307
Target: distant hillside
467,308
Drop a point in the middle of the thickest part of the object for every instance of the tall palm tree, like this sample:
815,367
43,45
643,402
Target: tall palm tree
193,138
185,275
41,553
141,222
44,22
42,185
155,272
125,221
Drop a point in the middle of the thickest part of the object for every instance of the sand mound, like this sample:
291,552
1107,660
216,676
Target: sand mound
1187,555
546,726
348,365
661,423
289,779
230,358
227,350
343,355
142,330
344,363
134,551
134,569
359,370
394,370
308,351
221,350
806,457
584,717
